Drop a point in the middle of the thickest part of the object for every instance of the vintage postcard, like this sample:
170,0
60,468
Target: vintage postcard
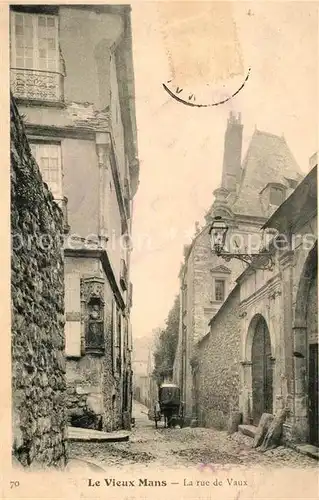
159,227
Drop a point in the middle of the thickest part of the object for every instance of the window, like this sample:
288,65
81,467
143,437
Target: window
219,290
276,196
35,56
48,157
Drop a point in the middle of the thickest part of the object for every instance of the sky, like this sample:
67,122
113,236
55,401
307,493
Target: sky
181,147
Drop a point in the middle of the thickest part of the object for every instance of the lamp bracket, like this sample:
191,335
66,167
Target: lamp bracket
249,259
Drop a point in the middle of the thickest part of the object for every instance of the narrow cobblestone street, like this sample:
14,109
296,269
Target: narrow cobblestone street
187,447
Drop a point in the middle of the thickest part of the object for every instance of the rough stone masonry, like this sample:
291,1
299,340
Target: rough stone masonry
37,291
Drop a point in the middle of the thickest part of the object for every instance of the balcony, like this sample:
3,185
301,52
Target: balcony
37,85
123,275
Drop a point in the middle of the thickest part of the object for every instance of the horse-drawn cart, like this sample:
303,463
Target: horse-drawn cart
169,406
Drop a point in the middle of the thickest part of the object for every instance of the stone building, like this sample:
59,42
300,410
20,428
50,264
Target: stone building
250,191
37,296
279,321
261,354
145,387
72,76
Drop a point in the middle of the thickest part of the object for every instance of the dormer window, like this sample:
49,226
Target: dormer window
273,195
276,196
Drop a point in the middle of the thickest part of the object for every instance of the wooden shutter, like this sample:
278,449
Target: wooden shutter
72,307
73,339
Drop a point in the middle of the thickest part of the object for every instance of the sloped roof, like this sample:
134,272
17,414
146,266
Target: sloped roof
302,201
268,159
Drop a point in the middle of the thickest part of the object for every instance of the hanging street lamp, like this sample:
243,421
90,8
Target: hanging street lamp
218,232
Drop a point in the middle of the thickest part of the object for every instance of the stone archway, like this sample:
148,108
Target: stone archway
261,370
306,352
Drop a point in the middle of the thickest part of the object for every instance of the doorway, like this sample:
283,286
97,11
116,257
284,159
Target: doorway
312,337
313,390
262,373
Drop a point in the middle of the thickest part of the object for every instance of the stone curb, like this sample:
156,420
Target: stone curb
305,449
77,434
96,466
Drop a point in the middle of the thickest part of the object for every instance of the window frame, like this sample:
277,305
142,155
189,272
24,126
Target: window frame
35,82
36,38
45,143
272,189
222,275
221,280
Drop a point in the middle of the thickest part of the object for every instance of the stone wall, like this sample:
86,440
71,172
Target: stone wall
38,365
218,356
202,267
94,387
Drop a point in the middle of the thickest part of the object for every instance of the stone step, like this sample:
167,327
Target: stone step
308,449
248,430
91,435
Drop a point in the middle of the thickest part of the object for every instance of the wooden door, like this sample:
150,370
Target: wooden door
313,394
262,383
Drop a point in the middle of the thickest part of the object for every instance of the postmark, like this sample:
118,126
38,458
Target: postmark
204,53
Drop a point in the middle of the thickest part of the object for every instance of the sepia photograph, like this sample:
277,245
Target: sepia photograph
163,215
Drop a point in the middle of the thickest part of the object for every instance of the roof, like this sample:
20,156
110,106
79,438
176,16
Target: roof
302,200
268,159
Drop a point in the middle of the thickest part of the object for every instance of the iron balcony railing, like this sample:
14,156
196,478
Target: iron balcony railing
40,85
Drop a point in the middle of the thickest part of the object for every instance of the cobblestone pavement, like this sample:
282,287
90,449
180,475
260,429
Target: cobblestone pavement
187,447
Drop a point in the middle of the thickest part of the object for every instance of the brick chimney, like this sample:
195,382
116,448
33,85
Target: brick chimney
232,152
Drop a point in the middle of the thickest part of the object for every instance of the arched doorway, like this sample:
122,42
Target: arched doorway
306,352
262,376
